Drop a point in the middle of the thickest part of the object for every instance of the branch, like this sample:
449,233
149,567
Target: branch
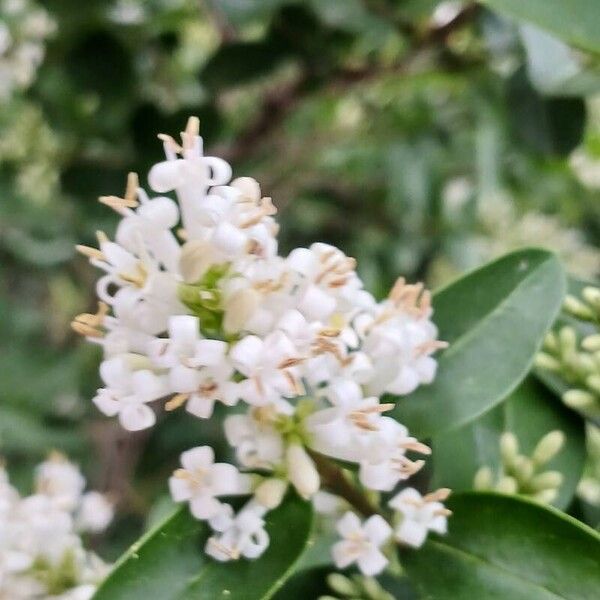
334,478
283,100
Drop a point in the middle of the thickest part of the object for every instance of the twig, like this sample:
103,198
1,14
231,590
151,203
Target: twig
282,101
334,478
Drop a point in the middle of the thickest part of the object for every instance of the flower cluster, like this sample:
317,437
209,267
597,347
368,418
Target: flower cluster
23,30
574,355
525,475
198,309
41,551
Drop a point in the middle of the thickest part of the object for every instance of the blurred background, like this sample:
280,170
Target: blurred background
423,138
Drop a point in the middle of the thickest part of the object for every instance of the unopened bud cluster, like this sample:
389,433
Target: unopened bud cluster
355,587
41,550
575,358
197,308
524,475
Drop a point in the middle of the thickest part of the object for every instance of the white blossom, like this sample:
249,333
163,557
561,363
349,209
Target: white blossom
197,308
201,482
417,515
361,543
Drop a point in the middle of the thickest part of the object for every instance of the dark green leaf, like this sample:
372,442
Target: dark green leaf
502,547
495,319
530,412
169,562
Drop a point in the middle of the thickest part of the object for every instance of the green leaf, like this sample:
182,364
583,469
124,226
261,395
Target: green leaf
495,319
169,562
530,412
501,547
575,21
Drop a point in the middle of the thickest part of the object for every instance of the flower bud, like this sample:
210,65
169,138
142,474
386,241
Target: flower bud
579,400
270,493
484,479
547,480
343,585
546,496
577,308
548,447
593,382
568,339
545,361
302,471
550,342
507,485
509,447
592,296
591,343
239,307
523,469
196,258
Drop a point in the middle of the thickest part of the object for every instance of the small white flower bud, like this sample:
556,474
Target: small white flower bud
484,479
545,361
579,399
593,382
577,308
591,343
568,339
592,296
523,469
551,342
343,585
509,447
548,447
239,307
546,496
302,471
270,493
196,258
547,480
507,485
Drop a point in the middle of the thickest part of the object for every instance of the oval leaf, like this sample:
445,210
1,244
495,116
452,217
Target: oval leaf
495,319
169,562
530,412
575,21
501,547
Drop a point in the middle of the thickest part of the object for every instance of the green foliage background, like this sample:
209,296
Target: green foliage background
421,141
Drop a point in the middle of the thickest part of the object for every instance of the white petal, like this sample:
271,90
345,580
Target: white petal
341,554
210,352
165,176
247,353
377,529
349,525
200,407
372,562
136,417
184,329
198,458
411,533
204,507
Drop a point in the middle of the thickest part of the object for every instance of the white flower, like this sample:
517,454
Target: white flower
418,515
257,444
241,535
269,366
361,543
127,393
202,481
60,480
95,512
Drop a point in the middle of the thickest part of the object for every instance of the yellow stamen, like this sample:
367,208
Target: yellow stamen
176,401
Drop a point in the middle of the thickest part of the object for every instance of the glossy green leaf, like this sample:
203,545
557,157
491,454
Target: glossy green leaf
501,547
575,21
495,319
169,562
530,412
